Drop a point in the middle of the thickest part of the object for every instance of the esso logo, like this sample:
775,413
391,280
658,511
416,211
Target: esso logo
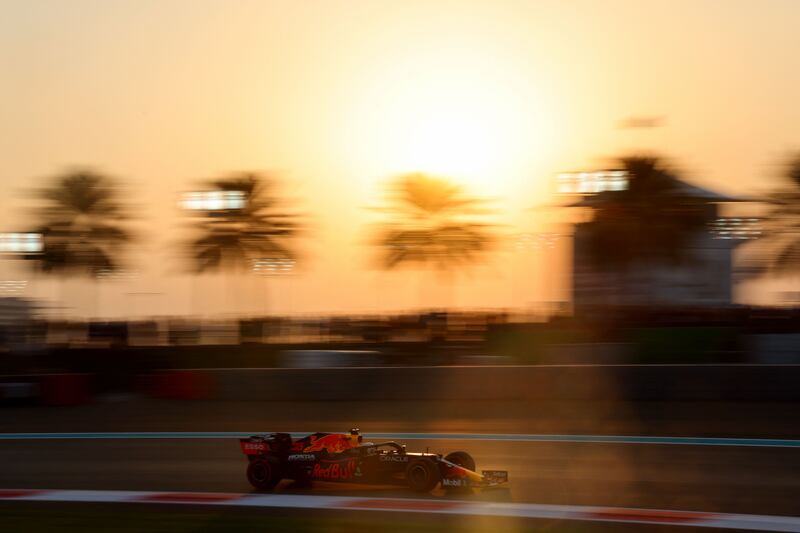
254,446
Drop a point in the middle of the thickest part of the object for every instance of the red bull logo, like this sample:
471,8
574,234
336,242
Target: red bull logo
331,443
334,471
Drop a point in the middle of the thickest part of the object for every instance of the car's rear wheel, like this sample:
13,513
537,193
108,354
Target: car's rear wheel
264,473
422,475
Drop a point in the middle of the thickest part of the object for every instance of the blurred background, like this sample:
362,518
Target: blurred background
194,193
502,164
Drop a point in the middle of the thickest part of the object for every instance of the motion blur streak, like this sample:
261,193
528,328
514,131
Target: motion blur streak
615,439
558,238
698,478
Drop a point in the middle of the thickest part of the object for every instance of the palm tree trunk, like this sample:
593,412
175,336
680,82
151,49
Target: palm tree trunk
265,302
62,296
376,290
447,283
227,293
95,298
421,291
193,295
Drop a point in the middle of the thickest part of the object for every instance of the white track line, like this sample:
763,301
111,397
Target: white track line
450,507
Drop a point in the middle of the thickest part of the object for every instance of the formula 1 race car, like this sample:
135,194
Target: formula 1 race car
345,458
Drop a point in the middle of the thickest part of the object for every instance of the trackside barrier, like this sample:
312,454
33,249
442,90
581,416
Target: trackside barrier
19,392
180,384
65,389
16,390
530,383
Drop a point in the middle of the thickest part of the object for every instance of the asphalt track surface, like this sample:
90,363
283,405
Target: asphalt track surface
729,479
701,478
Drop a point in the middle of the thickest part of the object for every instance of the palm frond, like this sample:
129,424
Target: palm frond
787,259
780,250
429,224
234,238
81,225
653,220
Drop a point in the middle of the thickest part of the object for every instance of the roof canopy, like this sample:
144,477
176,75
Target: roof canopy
682,187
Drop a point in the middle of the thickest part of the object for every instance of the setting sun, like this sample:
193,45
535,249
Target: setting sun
457,112
456,140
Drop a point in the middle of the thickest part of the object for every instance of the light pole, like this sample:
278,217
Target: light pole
267,267
141,293
16,245
540,243
211,203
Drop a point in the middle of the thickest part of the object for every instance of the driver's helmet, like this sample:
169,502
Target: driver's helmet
355,437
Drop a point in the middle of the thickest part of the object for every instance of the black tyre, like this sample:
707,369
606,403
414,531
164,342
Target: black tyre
264,473
422,475
462,459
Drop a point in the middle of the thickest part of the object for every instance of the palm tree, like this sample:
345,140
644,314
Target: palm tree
82,226
236,238
247,236
653,220
432,224
781,225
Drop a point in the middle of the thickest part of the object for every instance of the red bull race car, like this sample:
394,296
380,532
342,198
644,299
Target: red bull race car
346,458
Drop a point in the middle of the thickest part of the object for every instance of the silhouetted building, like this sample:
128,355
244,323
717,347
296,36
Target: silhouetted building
15,310
703,278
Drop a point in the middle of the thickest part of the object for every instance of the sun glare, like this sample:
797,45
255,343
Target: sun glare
464,136
449,117
450,142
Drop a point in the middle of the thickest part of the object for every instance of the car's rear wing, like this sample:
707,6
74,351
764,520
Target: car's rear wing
254,445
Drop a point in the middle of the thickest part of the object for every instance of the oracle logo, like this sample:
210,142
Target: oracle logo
394,458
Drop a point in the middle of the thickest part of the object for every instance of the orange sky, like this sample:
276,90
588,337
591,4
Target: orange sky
337,96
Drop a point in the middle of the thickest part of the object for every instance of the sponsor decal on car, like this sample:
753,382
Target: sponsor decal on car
335,443
251,447
495,476
339,470
395,458
456,471
302,457
457,482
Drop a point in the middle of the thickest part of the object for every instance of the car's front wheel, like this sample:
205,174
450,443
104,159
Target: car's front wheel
422,475
264,473
462,459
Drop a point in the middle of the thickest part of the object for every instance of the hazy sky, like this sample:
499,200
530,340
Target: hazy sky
337,96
